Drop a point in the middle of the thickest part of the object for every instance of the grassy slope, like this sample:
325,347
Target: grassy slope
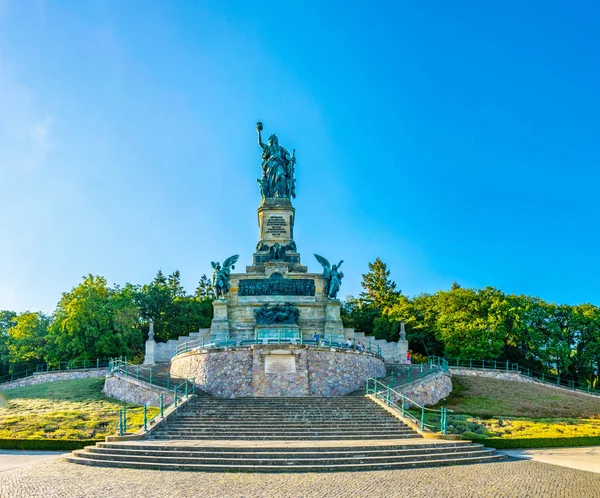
500,408
71,409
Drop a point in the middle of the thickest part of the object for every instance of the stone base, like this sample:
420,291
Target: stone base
219,327
278,370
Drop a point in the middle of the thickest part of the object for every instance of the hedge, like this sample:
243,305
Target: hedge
541,442
46,444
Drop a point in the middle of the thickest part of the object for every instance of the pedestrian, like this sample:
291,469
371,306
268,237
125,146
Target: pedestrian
408,358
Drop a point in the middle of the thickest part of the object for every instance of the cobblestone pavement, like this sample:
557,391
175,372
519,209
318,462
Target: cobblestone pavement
506,479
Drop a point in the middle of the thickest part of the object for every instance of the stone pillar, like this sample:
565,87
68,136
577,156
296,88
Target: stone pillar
402,344
219,327
333,320
276,221
150,356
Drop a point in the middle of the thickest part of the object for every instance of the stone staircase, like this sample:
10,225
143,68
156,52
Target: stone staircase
283,419
282,435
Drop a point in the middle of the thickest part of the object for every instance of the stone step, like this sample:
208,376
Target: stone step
273,452
288,425
182,446
278,437
425,462
325,460
282,430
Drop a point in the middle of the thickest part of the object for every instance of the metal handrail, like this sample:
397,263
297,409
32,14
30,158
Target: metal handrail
386,393
507,366
405,374
180,392
197,344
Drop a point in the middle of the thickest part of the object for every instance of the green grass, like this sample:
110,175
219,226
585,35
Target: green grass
500,409
486,398
69,409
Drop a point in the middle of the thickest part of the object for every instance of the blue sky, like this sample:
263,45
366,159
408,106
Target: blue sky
458,141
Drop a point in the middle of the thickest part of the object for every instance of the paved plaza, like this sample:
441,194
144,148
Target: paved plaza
514,478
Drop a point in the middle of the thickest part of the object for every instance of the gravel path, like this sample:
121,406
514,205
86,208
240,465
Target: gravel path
506,479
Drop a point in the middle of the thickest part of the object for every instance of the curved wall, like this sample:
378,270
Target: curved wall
277,370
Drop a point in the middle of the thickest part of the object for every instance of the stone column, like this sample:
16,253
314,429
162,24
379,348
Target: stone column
333,320
402,344
149,357
219,327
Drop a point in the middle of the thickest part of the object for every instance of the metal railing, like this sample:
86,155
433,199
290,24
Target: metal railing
179,392
59,366
406,406
401,375
507,366
328,342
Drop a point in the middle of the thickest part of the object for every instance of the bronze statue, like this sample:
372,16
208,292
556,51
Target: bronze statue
287,314
277,168
221,276
333,276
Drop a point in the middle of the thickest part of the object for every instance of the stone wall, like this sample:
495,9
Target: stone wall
339,374
218,372
44,377
427,391
277,370
512,376
129,390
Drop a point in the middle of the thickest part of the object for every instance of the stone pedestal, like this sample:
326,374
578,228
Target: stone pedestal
219,327
333,320
150,356
276,221
402,344
402,350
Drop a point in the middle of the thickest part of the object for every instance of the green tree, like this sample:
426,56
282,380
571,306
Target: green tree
27,340
379,290
358,315
7,320
205,289
468,324
94,321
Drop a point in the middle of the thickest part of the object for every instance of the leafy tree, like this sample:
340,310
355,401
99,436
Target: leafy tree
94,321
379,290
358,315
205,289
468,325
27,340
7,320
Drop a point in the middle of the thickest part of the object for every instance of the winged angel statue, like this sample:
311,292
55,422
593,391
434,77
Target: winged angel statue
333,276
221,275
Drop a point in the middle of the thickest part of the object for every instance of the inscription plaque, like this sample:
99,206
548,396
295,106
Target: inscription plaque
276,225
283,364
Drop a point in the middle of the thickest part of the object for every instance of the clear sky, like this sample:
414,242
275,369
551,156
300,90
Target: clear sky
458,141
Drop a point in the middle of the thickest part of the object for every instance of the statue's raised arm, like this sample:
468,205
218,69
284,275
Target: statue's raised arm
259,128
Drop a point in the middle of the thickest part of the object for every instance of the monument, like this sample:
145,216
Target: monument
276,329
251,305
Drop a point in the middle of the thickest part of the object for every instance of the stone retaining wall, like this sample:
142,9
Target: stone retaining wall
512,376
44,377
427,391
296,370
130,390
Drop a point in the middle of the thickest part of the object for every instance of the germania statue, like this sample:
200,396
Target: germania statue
221,276
277,168
333,276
